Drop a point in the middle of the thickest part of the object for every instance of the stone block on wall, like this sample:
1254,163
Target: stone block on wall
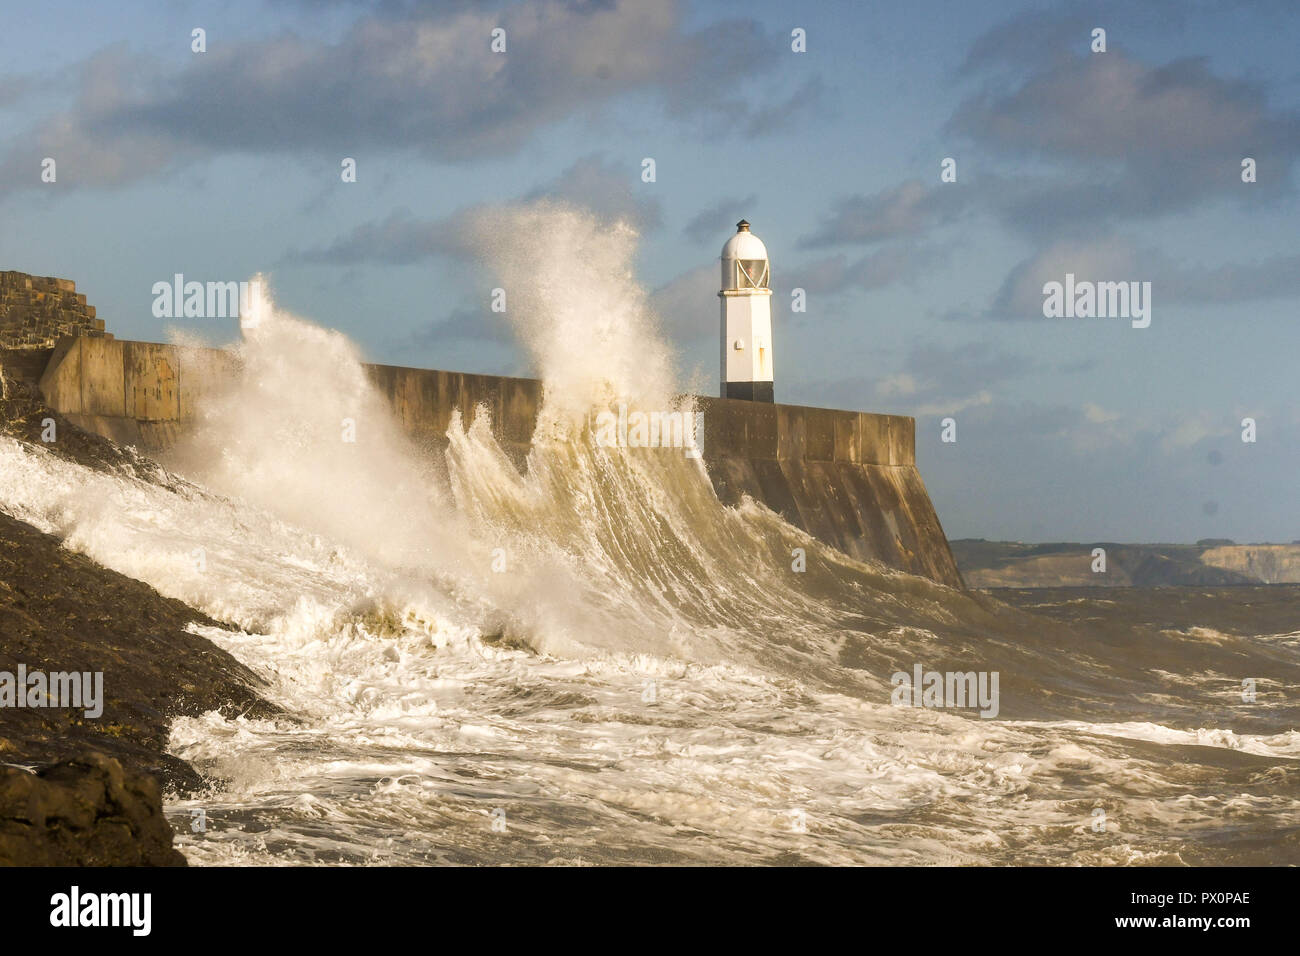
36,311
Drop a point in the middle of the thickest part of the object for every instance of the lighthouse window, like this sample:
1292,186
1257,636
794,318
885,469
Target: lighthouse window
751,273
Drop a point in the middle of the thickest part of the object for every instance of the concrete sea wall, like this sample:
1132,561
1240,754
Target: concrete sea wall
847,478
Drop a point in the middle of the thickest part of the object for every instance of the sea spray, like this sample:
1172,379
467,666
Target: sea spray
298,429
576,305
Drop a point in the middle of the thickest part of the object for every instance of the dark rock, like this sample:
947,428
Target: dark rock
59,611
88,811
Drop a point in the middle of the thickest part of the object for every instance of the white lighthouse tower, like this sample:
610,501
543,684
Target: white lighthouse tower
746,318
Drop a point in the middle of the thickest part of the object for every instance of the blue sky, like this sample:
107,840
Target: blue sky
924,298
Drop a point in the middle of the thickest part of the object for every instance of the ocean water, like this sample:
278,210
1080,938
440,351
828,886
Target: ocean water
594,662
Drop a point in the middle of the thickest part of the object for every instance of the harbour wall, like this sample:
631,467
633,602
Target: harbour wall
847,478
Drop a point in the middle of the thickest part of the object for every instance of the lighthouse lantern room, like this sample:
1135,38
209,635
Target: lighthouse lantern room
746,318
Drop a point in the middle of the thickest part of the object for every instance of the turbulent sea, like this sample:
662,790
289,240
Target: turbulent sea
594,662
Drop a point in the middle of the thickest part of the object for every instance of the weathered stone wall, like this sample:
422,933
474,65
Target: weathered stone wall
847,478
35,311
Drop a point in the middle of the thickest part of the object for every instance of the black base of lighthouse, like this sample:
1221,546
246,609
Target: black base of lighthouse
750,391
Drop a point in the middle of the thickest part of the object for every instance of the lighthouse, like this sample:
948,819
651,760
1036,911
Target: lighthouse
746,318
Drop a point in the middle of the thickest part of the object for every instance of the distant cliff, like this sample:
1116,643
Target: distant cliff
1270,563
1012,564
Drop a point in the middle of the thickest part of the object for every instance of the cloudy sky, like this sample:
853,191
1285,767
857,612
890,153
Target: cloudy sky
924,297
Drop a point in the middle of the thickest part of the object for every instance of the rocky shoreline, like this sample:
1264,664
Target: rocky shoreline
94,797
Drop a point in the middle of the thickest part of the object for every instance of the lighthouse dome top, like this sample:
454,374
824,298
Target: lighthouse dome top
745,268
744,244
